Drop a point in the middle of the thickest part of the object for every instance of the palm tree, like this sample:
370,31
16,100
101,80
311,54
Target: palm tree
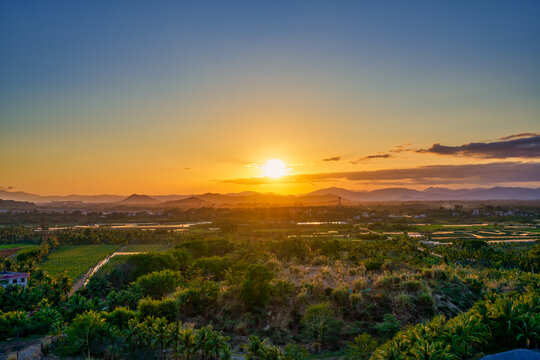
211,345
65,286
217,347
528,329
432,351
159,334
186,344
466,334
395,349
254,348
174,331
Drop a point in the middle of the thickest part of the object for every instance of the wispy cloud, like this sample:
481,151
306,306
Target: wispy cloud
516,136
525,145
370,157
333,158
481,174
401,148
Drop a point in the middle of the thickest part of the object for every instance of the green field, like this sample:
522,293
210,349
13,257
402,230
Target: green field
24,246
144,248
76,260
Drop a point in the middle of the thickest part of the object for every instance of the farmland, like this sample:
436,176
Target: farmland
7,250
73,261
144,248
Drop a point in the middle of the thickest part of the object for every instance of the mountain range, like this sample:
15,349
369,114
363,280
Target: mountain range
328,196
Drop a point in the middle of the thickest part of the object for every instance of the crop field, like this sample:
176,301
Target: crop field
75,260
23,246
144,248
489,234
7,250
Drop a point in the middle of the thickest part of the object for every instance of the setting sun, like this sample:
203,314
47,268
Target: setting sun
274,168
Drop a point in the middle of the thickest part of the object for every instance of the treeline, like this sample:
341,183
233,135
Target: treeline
500,256
12,234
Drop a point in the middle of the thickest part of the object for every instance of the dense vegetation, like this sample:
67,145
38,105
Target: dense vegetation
264,295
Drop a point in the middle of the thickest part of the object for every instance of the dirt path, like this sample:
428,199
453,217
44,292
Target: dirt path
83,280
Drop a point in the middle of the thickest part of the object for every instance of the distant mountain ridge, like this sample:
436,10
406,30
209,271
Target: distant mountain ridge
326,196
433,193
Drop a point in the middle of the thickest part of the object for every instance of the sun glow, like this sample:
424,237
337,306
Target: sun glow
274,168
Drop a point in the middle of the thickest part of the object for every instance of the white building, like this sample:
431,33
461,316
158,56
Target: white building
8,278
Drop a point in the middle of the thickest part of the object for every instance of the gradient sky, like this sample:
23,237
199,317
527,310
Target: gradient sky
165,97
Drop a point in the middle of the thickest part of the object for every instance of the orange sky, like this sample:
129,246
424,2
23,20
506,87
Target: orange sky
189,99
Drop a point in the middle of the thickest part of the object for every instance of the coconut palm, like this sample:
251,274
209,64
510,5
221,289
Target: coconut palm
528,329
432,351
259,349
466,334
186,345
160,334
211,345
174,330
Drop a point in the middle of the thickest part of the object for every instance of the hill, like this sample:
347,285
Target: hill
136,199
190,202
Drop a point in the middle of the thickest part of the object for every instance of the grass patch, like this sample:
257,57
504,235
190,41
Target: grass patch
9,246
74,261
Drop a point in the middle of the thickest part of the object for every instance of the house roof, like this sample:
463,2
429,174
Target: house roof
517,354
8,275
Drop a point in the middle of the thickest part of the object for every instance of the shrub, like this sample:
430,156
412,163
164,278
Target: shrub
388,282
87,334
319,323
403,301
183,257
214,266
129,298
425,303
120,317
389,326
142,264
197,297
281,291
295,352
341,296
361,348
412,285
13,323
360,284
373,264
166,308
159,283
255,291
44,318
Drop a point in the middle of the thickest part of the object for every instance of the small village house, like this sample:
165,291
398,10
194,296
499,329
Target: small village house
9,278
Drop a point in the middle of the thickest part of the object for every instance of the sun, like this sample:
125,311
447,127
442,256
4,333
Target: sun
274,168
